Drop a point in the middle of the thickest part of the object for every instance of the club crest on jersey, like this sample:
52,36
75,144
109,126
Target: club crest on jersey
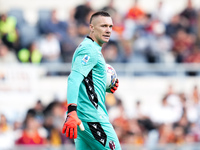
85,59
112,145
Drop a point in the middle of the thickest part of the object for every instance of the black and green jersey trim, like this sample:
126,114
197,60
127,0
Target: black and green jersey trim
90,89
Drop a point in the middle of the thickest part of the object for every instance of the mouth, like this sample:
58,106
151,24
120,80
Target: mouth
106,36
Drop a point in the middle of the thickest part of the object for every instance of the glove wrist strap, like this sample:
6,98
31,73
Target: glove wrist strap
72,107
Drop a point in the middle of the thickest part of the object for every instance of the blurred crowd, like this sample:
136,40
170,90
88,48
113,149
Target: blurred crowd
137,37
159,36
42,125
175,120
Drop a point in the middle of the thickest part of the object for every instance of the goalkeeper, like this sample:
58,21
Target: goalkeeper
87,89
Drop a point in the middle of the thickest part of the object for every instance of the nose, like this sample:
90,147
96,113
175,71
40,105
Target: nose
108,29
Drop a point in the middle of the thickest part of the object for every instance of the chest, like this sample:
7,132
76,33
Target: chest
99,69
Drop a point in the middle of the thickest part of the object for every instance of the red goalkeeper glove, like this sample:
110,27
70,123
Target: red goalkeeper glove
72,120
115,87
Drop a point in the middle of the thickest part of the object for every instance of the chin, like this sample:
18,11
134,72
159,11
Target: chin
106,41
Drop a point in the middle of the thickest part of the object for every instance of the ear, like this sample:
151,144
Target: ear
91,28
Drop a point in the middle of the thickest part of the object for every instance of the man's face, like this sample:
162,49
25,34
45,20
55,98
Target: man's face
101,28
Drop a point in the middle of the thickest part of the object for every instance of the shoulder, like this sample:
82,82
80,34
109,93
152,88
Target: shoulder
86,47
87,44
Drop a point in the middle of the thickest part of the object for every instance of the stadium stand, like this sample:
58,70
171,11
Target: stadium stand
155,49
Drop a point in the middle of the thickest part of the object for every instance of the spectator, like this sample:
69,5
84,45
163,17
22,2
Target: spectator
30,134
138,111
118,21
8,31
119,120
166,111
181,128
82,13
166,134
133,20
163,12
110,8
7,56
181,45
135,12
193,56
30,54
116,110
6,134
49,47
70,42
193,136
195,97
192,106
111,52
135,134
174,101
156,46
198,26
160,45
127,55
56,26
82,30
56,137
189,15
37,111
174,26
53,118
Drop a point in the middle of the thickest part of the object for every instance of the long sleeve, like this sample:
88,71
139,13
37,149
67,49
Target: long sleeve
74,80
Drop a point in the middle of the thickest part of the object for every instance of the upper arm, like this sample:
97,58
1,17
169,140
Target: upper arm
85,60
74,82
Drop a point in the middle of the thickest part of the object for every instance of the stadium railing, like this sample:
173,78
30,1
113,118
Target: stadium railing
134,69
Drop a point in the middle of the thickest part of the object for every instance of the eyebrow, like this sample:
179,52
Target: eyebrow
110,25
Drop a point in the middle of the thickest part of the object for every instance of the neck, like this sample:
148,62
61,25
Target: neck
94,39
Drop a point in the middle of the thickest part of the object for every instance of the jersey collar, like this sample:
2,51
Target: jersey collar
94,41
90,38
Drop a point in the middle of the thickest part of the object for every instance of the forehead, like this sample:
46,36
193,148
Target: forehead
102,20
